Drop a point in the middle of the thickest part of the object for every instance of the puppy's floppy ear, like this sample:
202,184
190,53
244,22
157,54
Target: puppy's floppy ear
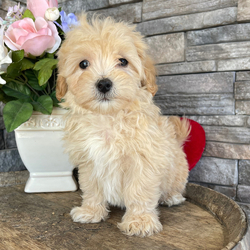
149,79
61,87
148,74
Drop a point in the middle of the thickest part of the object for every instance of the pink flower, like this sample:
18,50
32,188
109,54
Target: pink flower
34,37
39,7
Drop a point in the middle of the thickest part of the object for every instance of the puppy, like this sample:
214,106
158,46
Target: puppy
127,154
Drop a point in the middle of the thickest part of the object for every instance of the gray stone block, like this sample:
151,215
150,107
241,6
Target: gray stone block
215,171
243,10
167,48
196,83
189,22
227,134
196,104
13,178
10,140
73,6
10,161
227,150
243,193
244,171
77,6
130,13
116,2
242,90
8,3
229,33
220,120
3,13
242,107
97,4
1,123
161,8
233,64
2,144
186,67
243,76
1,108
218,51
248,122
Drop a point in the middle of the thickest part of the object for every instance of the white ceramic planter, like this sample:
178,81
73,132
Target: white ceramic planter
40,145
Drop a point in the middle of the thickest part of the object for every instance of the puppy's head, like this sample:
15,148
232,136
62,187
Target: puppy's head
104,64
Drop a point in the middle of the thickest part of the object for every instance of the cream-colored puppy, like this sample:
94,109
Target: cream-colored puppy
127,154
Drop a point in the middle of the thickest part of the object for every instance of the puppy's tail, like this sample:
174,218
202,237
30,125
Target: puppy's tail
182,128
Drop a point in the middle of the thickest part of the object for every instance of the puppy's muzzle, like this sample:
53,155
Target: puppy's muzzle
104,85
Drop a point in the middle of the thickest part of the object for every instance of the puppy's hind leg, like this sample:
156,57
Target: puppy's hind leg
172,191
173,186
94,207
171,200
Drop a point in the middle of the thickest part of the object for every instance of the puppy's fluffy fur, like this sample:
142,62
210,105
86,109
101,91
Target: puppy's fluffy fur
127,154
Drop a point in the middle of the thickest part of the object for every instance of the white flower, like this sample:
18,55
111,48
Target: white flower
5,56
52,14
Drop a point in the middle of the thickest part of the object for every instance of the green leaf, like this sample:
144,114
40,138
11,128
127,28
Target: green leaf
54,99
15,113
46,62
33,80
17,90
44,104
17,55
44,75
50,55
45,67
31,56
42,55
26,64
3,76
4,98
14,69
29,14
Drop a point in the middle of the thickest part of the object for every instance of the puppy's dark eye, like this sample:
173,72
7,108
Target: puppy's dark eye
123,61
84,64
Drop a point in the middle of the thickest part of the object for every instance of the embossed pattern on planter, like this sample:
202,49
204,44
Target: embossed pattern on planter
45,122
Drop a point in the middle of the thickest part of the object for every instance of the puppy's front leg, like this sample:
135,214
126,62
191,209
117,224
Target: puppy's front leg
94,207
141,195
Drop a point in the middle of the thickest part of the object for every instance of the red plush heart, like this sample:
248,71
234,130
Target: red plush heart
195,144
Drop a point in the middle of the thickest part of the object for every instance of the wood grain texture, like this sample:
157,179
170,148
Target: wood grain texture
42,221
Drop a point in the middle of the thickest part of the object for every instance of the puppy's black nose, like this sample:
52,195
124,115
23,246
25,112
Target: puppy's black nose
104,85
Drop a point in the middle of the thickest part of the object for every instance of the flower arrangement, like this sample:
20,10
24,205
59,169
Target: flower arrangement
29,41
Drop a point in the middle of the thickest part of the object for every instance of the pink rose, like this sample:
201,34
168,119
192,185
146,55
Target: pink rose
39,7
34,37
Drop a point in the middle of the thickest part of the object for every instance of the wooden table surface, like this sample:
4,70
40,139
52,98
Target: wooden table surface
42,221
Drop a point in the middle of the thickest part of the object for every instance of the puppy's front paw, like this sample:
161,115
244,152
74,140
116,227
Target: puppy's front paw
87,214
140,225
